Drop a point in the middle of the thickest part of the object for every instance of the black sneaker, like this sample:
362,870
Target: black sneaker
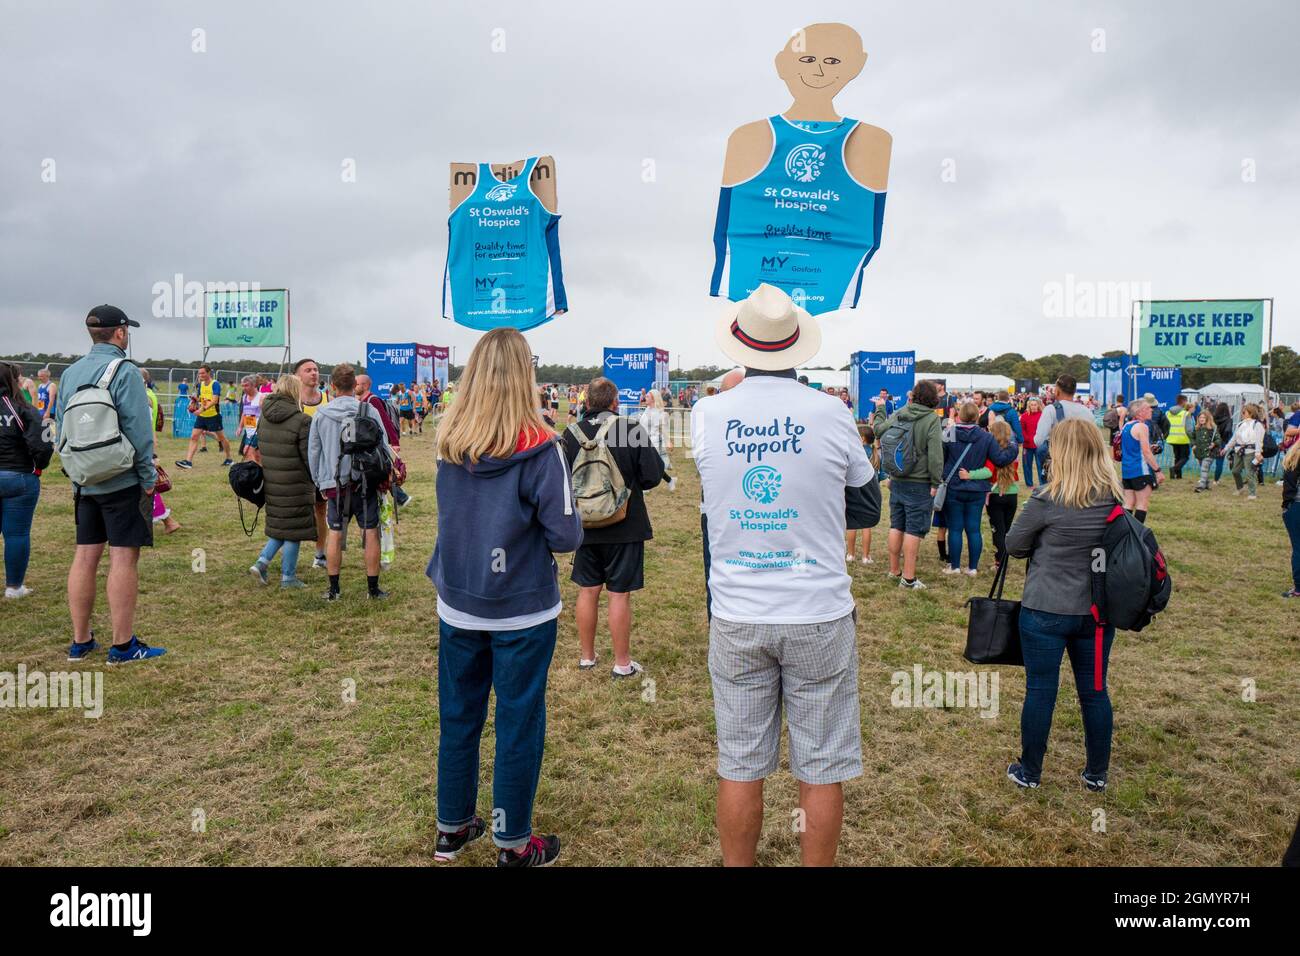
378,594
538,851
184,463
1095,784
204,449
450,844
332,595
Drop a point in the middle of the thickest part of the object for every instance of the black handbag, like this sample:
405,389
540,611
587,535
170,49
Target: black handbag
993,631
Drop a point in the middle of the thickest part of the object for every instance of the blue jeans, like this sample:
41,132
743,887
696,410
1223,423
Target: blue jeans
1032,457
400,496
1290,518
470,664
18,494
963,511
288,560
1218,466
1044,637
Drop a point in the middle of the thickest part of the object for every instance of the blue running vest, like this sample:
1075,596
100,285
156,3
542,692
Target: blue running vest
1132,464
802,223
503,256
43,403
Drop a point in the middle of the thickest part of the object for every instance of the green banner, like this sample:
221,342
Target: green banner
247,319
1224,333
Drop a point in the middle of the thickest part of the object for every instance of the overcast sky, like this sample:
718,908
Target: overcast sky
1132,165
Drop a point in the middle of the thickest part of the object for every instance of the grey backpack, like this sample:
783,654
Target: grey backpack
897,448
92,447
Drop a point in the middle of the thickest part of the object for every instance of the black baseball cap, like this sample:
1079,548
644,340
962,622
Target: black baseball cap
108,317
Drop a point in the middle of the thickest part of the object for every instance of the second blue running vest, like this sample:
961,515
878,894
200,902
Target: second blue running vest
802,223
503,256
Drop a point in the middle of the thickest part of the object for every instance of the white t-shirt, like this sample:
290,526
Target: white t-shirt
774,458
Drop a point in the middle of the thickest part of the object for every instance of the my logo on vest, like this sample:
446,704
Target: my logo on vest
804,163
762,483
502,192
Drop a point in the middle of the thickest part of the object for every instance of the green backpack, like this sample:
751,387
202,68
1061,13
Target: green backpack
598,485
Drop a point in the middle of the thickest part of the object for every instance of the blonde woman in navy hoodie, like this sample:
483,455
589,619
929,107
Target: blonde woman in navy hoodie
505,505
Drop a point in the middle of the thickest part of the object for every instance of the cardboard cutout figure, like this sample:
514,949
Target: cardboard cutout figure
803,192
503,245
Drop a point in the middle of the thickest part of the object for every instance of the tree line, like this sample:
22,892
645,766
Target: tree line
1045,368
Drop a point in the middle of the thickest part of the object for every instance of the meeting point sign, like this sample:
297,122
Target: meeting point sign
1223,333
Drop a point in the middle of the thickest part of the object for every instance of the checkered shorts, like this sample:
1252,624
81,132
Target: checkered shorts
810,670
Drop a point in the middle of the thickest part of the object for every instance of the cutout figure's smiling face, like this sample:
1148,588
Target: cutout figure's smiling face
820,60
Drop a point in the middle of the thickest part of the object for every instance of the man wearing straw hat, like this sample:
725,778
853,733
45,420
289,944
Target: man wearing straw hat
774,459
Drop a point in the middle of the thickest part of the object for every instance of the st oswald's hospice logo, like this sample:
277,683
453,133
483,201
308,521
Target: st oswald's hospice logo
762,483
804,163
502,192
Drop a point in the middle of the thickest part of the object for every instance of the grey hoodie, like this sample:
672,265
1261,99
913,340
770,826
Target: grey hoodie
326,436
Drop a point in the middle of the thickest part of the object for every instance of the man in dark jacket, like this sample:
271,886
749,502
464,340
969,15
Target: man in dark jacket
613,557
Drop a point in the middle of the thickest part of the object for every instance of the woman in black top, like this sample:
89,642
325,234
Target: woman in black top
25,449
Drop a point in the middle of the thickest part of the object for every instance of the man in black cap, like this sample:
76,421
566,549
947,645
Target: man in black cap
117,511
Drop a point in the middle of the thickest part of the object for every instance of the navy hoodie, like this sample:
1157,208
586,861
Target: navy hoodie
1007,411
983,447
498,523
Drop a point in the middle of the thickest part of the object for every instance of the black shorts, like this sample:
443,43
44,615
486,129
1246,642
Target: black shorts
212,424
1140,482
123,519
347,506
617,566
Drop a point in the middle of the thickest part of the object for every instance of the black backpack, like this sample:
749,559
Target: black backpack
363,442
1269,448
1132,584
247,483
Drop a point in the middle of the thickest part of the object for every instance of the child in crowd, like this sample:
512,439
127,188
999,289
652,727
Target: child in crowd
1205,446
856,506
1005,493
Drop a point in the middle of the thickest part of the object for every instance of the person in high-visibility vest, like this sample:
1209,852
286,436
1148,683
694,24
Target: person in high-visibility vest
1180,417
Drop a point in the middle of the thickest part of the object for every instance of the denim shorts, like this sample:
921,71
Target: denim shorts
911,507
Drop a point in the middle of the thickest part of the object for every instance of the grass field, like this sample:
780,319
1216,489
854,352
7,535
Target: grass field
245,720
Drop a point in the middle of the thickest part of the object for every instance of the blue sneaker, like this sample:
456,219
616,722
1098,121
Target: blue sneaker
1016,774
135,650
79,652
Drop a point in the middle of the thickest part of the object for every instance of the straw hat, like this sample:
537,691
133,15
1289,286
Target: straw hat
768,331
